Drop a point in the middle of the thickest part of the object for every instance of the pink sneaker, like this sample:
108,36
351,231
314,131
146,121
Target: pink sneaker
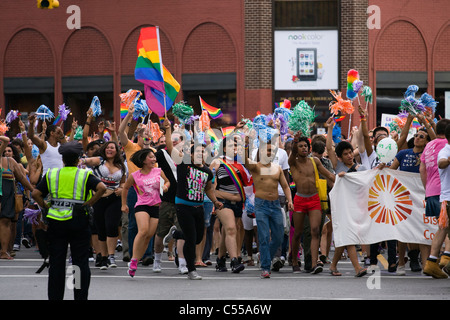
132,267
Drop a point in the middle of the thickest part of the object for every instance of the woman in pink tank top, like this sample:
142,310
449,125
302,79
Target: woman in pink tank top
146,181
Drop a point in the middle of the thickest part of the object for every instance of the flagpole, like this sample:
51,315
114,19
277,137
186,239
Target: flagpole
162,70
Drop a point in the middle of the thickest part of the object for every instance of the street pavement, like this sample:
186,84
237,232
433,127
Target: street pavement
19,281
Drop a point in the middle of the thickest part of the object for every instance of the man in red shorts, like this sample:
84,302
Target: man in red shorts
306,201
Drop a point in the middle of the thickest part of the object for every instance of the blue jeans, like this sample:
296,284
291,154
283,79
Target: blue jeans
269,221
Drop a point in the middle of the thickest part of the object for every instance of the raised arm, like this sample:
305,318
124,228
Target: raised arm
330,150
40,143
5,140
123,138
365,131
404,134
87,128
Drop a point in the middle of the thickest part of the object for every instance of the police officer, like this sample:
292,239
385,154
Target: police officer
70,192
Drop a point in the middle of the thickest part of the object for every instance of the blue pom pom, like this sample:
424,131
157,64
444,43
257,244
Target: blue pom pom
428,101
411,91
96,107
337,134
44,113
140,109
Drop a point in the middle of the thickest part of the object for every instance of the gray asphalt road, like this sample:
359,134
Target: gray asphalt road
18,281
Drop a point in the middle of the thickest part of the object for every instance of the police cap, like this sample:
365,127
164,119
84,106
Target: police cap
71,147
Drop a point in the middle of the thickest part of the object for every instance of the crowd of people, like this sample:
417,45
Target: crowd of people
251,201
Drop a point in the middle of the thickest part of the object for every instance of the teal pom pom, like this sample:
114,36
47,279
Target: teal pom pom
301,118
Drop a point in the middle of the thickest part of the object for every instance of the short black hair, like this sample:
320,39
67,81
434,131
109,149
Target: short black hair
138,157
447,132
318,147
425,130
341,147
305,139
50,129
441,125
380,129
70,159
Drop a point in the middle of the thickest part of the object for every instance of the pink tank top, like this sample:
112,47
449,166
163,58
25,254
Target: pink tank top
147,187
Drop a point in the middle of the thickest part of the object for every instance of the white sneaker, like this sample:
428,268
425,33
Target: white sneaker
193,275
400,271
157,266
183,270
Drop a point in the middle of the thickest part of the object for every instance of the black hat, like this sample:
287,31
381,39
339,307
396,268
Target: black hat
72,147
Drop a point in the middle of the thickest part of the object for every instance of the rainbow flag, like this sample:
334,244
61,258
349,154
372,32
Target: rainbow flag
148,68
123,110
160,87
212,135
213,112
339,118
227,130
415,123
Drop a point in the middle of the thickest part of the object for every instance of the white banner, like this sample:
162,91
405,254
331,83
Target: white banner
377,205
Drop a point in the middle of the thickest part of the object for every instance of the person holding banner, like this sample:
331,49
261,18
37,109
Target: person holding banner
342,158
306,201
409,160
429,172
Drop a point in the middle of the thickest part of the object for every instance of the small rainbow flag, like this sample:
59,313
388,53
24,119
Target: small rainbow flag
123,110
227,130
212,135
339,118
415,124
213,112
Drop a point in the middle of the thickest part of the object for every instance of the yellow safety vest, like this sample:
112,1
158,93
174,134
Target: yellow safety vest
67,187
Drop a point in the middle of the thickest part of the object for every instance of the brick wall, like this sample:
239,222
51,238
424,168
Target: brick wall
401,48
354,39
258,55
209,49
29,55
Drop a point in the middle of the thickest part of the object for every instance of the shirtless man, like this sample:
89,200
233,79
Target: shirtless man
306,201
269,217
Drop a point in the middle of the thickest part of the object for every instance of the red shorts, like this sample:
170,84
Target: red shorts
306,204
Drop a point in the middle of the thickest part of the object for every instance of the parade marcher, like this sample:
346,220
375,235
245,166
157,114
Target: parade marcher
194,181
146,181
269,216
48,147
110,169
70,190
306,200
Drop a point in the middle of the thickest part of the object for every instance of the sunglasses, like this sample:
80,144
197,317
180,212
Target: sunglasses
421,136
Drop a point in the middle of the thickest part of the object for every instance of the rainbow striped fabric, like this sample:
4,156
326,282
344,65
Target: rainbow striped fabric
213,112
148,68
160,87
227,130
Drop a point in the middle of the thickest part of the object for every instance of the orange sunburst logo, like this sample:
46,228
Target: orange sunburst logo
389,200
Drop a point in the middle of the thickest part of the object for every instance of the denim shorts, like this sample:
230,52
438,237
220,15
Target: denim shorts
433,206
236,206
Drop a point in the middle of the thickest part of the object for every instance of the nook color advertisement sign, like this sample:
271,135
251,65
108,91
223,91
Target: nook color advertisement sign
306,60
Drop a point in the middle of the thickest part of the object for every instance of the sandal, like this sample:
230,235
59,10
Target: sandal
361,273
335,273
6,256
200,264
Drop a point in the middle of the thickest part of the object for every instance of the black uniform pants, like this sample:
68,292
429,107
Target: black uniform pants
75,232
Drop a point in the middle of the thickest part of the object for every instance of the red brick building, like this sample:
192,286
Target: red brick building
221,50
